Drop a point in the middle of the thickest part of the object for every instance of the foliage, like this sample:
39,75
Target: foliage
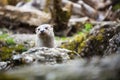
95,43
5,37
78,40
8,47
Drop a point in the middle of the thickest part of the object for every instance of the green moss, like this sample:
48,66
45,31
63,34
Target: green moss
5,38
2,36
10,41
7,51
102,30
99,37
82,45
88,26
75,42
81,40
20,48
91,44
8,47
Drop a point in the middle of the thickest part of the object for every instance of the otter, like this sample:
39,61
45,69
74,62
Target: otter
45,36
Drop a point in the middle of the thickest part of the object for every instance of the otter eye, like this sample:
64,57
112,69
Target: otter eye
38,29
46,27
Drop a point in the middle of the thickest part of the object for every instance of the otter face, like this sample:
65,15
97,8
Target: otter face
44,30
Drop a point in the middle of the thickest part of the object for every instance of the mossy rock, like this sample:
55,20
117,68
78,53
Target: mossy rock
7,51
95,43
8,47
75,42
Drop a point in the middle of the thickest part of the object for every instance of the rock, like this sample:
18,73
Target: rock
114,45
46,55
99,38
28,40
17,59
94,43
82,69
3,65
26,19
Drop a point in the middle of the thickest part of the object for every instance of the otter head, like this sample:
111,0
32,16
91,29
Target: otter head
44,30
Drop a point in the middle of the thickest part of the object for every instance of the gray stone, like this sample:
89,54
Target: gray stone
46,55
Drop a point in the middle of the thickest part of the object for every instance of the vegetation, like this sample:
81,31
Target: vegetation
8,47
77,42
83,29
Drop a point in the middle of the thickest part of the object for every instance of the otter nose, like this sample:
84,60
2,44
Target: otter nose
42,31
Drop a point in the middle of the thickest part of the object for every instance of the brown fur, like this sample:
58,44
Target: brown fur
45,36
